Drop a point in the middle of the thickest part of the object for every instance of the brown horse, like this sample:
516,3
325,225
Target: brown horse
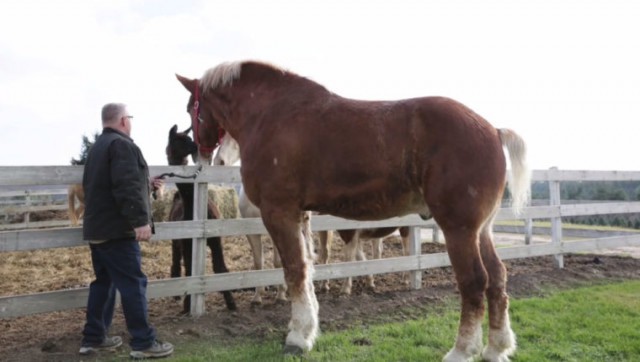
306,148
75,192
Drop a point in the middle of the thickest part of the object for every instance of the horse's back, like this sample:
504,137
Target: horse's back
377,159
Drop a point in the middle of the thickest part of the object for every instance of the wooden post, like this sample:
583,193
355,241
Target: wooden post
556,222
27,216
436,234
415,248
198,257
528,231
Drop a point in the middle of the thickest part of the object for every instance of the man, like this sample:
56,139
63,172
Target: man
117,216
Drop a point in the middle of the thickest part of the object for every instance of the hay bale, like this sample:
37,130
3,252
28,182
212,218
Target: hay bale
161,206
224,197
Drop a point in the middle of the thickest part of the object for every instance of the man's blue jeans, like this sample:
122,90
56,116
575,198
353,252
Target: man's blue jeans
117,265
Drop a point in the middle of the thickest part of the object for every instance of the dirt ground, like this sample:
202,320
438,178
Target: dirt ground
56,336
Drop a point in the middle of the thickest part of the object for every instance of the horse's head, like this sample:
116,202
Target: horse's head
180,146
228,153
205,124
211,105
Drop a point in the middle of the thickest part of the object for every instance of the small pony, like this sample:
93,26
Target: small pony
180,146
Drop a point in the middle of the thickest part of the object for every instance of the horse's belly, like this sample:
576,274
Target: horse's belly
373,206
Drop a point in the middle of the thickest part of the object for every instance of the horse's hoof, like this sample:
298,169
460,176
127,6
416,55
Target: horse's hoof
290,350
256,303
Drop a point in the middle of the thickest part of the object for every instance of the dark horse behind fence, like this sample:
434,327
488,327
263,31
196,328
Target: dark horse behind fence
306,148
179,147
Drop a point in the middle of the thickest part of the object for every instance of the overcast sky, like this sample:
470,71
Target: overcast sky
563,74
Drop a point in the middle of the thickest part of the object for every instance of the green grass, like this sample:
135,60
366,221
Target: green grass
599,323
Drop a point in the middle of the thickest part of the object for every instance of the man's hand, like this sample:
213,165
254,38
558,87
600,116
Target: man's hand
157,187
156,183
143,233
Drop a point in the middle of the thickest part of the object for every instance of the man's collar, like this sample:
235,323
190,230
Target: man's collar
113,130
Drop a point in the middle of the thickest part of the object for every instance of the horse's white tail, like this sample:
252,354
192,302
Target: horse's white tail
520,180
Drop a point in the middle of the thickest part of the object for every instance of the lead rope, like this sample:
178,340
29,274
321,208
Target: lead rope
173,174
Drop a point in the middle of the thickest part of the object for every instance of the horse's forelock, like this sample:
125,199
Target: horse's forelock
220,75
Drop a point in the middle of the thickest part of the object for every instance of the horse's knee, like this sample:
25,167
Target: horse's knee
296,276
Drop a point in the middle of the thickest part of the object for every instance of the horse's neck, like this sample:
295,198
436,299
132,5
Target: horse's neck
186,194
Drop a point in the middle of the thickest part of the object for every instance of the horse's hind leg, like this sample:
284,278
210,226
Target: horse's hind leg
71,206
281,294
376,247
464,253
176,258
80,211
286,231
187,252
502,340
258,263
404,234
350,253
326,241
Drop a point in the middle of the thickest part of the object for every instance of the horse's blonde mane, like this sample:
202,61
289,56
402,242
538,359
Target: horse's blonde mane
225,73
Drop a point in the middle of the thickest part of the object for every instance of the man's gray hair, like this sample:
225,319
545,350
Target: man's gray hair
112,111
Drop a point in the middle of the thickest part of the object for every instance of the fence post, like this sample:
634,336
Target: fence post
198,257
556,222
415,248
27,216
528,231
436,234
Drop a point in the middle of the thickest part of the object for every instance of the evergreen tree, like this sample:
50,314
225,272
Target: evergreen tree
84,149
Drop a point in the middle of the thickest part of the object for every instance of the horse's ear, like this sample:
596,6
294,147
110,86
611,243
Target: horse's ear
173,131
186,131
189,84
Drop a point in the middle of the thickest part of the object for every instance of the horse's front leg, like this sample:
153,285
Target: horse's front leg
286,229
219,266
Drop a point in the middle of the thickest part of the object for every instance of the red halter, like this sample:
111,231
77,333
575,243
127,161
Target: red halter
195,123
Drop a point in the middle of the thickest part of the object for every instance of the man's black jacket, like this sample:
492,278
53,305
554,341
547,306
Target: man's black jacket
116,187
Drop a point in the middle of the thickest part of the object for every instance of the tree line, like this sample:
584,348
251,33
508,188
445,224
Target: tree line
595,191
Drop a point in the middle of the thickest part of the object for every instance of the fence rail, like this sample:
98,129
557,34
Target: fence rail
13,306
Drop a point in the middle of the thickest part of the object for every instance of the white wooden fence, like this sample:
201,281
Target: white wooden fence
27,201
199,230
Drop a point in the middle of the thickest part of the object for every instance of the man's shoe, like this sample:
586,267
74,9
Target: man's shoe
158,349
109,344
